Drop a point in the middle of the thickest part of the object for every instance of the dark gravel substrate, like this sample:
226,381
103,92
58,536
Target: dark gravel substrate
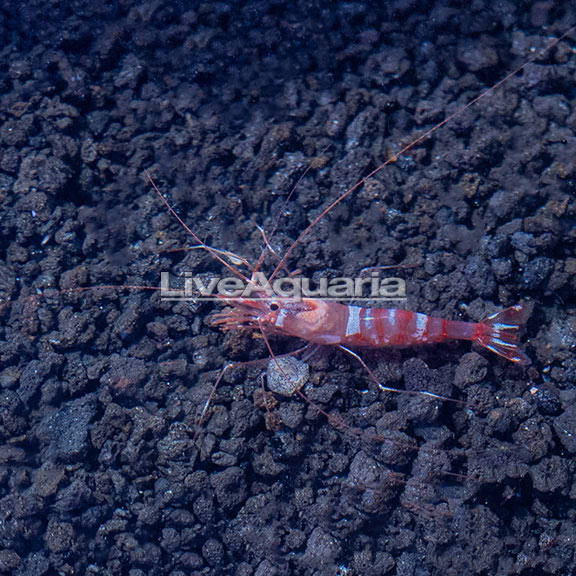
102,469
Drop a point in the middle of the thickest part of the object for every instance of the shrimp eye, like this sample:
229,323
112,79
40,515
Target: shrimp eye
274,307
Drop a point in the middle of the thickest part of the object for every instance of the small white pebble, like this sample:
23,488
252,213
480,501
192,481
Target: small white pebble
286,375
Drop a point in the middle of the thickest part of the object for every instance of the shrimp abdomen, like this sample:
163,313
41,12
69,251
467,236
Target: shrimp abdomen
382,327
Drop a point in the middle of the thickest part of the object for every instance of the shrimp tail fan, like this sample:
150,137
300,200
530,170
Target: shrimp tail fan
501,333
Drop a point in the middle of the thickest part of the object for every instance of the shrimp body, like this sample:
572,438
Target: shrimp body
331,323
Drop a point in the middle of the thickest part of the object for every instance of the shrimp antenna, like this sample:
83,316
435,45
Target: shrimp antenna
215,253
414,143
268,240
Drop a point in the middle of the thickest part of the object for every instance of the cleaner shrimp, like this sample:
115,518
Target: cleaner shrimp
108,389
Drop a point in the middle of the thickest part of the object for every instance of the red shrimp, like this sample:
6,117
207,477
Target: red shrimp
331,323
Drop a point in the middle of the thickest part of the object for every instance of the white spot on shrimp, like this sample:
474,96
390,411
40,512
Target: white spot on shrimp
421,325
280,318
353,324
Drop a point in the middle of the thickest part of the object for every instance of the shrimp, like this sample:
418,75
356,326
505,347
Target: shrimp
334,324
